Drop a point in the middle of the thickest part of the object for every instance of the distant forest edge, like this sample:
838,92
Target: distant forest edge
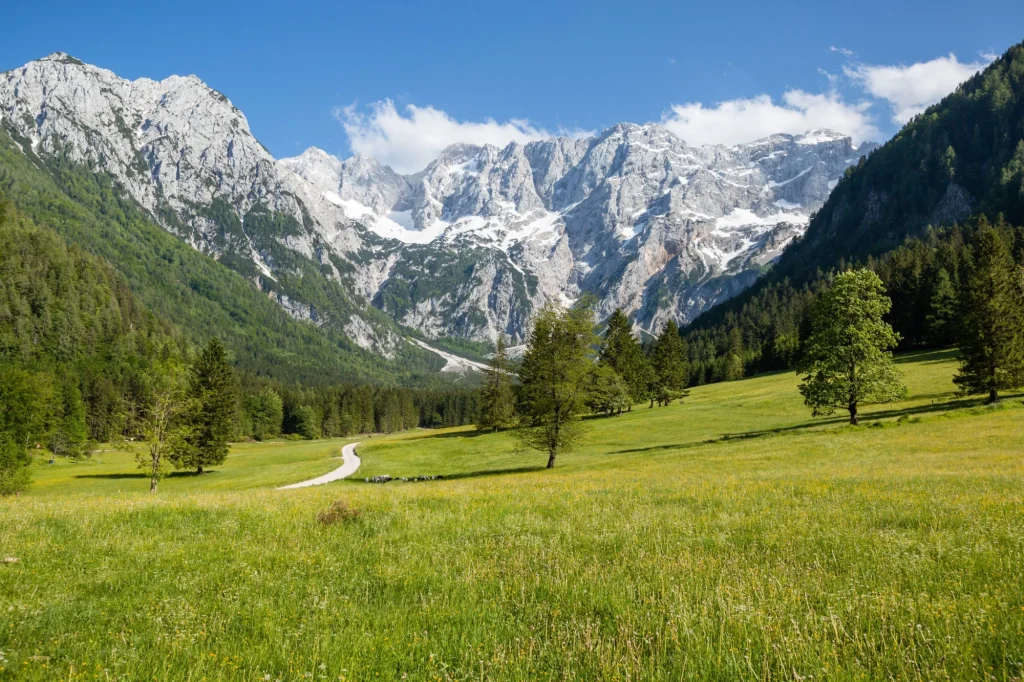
907,211
80,353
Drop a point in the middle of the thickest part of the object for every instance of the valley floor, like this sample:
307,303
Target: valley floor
730,537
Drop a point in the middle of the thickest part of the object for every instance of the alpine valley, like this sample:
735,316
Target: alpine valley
449,257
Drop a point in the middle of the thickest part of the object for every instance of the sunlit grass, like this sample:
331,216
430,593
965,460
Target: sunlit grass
728,538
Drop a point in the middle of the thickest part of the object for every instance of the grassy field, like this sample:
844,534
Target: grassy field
731,537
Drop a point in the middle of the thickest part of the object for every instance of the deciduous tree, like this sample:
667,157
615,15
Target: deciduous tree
848,359
553,379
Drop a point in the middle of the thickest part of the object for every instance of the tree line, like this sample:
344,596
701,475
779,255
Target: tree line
568,371
959,286
928,279
82,361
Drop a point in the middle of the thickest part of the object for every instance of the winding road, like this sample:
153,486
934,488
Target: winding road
348,467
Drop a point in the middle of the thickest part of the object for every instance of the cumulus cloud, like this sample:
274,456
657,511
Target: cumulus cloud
409,141
744,120
912,89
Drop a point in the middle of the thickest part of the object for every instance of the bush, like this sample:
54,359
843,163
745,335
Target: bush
339,512
14,472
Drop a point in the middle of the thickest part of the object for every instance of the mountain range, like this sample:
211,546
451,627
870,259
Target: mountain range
456,254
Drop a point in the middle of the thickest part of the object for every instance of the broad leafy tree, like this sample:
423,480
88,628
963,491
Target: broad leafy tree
848,359
23,407
991,329
265,412
553,379
161,424
607,393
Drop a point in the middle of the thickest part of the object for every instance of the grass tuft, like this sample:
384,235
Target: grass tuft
338,512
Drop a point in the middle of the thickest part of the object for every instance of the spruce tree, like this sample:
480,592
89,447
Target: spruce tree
847,358
621,351
210,417
991,329
671,369
942,312
497,400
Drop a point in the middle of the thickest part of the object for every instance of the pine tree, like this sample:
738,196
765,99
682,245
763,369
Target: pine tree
941,317
210,418
497,400
671,369
847,359
991,329
621,351
734,357
553,380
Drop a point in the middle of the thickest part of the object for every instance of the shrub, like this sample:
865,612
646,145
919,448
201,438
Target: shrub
338,512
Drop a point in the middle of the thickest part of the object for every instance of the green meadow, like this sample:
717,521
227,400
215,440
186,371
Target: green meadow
731,537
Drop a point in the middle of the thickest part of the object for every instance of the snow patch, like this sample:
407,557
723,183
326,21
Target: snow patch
453,363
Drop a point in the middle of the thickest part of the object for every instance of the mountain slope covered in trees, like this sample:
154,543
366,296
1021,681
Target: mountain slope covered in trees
907,211
200,295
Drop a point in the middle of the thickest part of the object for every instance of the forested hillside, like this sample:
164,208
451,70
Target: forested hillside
898,212
75,343
203,297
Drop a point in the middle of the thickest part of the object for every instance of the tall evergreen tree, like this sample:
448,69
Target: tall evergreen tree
848,359
621,351
553,380
497,399
209,422
942,312
991,329
671,369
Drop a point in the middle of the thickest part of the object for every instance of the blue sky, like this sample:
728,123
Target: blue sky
546,67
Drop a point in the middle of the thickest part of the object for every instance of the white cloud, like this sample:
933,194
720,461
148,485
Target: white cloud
744,120
843,51
409,142
912,89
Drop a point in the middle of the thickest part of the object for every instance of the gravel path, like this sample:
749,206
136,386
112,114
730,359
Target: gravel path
349,467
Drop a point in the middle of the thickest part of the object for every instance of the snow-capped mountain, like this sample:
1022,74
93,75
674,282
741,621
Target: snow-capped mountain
652,225
468,247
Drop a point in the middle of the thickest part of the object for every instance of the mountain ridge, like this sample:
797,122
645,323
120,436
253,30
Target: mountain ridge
468,247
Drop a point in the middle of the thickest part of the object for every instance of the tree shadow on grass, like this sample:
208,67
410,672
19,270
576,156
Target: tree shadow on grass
458,434
494,472
948,405
928,357
174,474
468,474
